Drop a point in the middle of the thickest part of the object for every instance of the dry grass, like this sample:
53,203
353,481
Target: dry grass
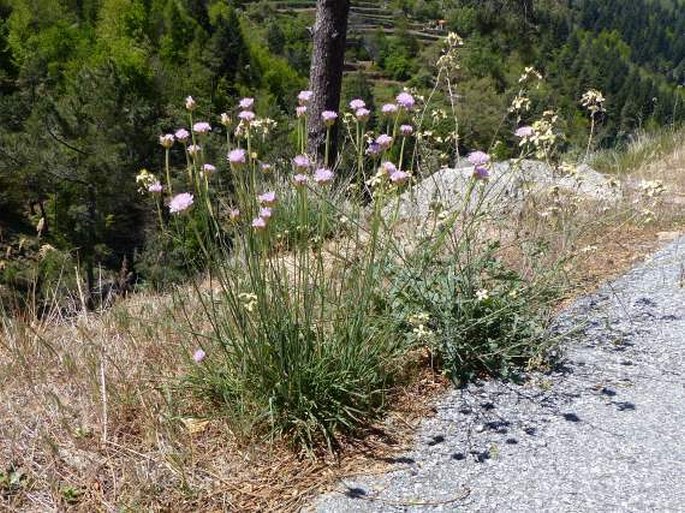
93,418
145,446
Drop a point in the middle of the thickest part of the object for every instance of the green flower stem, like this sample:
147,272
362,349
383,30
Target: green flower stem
399,164
328,143
168,172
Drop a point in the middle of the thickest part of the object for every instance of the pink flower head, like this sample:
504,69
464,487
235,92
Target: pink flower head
180,202
209,169
300,179
265,167
323,176
246,115
398,177
190,103
405,100
194,149
329,117
481,173
524,131
374,149
237,157
265,213
302,162
305,97
234,214
406,130
388,167
155,188
268,198
357,104
478,158
182,135
301,111
384,141
201,127
362,114
246,103
166,140
199,355
389,109
259,223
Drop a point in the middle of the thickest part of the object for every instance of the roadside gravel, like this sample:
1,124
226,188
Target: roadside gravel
603,432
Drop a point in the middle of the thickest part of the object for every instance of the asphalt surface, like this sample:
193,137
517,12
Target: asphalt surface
603,432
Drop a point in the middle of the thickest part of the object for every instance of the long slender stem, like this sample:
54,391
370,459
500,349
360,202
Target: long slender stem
168,173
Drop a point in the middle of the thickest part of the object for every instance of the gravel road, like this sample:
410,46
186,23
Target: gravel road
602,433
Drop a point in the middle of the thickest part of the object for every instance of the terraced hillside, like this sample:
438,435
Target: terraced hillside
368,21
368,17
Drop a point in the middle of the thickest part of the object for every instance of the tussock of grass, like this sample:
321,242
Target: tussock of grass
643,150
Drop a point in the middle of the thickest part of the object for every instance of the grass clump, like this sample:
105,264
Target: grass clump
312,294
642,149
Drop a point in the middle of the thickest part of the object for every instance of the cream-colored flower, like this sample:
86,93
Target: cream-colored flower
249,300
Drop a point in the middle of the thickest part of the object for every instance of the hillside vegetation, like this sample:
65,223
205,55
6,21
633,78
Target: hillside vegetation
88,86
195,314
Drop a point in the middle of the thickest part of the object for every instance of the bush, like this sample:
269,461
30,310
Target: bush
477,317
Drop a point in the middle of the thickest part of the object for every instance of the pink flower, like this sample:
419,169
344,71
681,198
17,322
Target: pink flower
384,141
524,131
166,140
234,214
357,104
268,198
481,173
329,117
182,135
265,213
246,103
246,115
405,100
301,111
155,188
258,223
180,202
389,108
209,169
199,355
265,167
362,114
237,157
194,149
302,162
305,97
190,103
398,177
406,130
388,167
300,179
323,176
201,127
478,158
374,149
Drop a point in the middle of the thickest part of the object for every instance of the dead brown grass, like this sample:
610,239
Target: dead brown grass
92,419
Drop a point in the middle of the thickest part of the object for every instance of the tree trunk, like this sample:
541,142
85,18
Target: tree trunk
325,78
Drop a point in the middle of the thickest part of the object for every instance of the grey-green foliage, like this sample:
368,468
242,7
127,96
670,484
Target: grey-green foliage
476,316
